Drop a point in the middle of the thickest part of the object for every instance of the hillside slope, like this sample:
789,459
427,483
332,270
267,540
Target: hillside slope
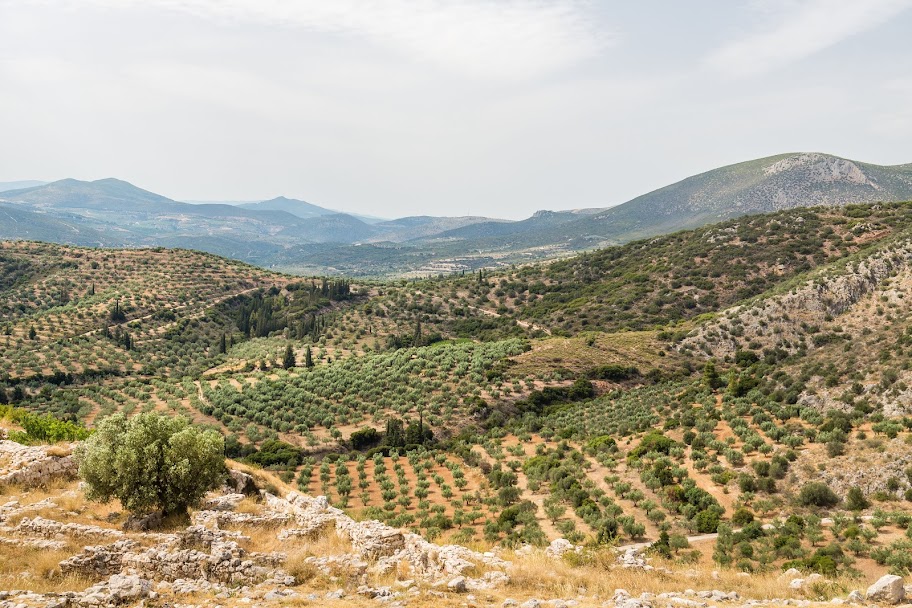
763,185
768,184
650,283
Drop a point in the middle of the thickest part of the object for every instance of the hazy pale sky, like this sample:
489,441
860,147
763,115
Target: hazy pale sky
400,107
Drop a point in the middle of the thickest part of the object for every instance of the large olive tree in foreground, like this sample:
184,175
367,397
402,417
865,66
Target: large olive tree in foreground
151,463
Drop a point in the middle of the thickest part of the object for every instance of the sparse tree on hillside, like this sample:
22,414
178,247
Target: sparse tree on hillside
855,500
288,360
151,462
308,357
711,377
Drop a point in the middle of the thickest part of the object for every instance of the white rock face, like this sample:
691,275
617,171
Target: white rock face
31,465
559,546
821,168
887,590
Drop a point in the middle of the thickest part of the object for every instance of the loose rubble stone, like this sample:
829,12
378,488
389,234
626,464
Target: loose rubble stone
217,519
457,585
226,502
48,528
117,590
35,543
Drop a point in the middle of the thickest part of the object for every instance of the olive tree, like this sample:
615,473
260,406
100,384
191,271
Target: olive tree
151,462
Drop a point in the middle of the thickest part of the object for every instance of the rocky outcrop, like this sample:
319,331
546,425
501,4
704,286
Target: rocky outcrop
388,547
887,590
560,546
239,482
782,321
32,465
822,168
224,562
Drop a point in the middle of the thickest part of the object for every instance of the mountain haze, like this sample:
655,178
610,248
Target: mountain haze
298,236
289,205
18,185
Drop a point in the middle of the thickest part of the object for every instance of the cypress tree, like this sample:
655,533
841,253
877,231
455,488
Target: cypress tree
417,338
711,377
288,361
308,357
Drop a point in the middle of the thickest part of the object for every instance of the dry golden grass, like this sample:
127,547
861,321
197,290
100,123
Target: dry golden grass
70,503
327,543
264,479
581,353
59,450
27,568
537,575
249,505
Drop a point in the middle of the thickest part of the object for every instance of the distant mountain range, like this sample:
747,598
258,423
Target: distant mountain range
293,206
28,183
299,236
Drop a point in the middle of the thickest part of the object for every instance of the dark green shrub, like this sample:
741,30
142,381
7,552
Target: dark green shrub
817,494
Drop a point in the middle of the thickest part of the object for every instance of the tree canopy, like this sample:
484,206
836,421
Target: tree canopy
151,462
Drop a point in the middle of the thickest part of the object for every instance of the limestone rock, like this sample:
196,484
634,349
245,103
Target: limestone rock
457,585
888,590
117,590
32,465
48,528
239,482
559,547
226,502
100,560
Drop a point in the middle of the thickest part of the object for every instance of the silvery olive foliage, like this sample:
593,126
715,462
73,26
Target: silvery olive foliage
151,462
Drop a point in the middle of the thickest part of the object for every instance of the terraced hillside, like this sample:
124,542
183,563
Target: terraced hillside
521,408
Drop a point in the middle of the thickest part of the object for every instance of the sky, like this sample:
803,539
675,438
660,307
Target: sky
443,107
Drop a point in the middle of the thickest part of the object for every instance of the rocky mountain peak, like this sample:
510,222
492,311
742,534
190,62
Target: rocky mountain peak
821,168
